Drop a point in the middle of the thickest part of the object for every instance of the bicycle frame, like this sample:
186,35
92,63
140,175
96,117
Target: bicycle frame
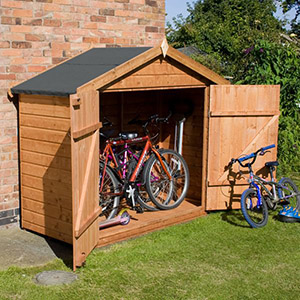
109,154
260,184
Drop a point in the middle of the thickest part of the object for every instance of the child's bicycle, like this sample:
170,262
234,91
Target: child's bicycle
263,194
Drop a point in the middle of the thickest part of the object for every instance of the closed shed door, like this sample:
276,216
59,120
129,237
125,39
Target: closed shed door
85,174
242,119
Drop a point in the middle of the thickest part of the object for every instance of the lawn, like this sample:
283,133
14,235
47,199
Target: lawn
213,257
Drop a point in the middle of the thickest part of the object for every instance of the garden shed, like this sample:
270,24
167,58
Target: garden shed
61,111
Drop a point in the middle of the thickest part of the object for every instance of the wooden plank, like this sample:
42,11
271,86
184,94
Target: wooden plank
43,147
44,122
47,222
46,173
160,88
46,209
156,81
85,176
87,223
150,221
41,159
51,198
47,185
243,113
45,135
44,106
47,231
87,130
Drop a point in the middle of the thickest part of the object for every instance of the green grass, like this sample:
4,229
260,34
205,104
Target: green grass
214,257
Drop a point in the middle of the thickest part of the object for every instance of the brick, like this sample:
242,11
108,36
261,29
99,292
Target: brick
52,23
122,1
21,28
41,61
11,4
45,1
107,40
21,45
107,12
34,37
90,40
11,21
32,22
7,77
151,29
16,69
57,60
5,44
71,24
36,69
151,3
11,52
22,13
101,19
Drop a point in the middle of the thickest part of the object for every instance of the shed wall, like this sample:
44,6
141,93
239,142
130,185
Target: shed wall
45,166
36,35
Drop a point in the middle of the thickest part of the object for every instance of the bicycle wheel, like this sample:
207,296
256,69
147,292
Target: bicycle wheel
165,193
255,215
109,204
294,201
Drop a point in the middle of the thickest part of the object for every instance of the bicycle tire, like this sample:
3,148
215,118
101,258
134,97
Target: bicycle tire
173,193
142,196
255,216
286,181
109,204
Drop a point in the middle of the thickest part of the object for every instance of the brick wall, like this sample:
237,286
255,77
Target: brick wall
35,34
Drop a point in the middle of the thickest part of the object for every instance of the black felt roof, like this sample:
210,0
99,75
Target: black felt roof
64,79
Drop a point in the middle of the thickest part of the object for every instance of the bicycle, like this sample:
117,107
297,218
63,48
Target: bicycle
259,197
163,172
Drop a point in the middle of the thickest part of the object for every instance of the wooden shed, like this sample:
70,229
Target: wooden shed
60,113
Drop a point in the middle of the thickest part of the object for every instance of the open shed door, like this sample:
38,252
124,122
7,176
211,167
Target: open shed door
242,119
85,172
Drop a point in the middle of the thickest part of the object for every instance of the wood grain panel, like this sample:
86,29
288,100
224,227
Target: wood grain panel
52,123
45,135
233,135
48,173
47,209
45,197
46,160
43,147
45,106
45,151
47,231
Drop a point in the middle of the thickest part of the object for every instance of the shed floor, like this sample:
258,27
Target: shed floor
150,221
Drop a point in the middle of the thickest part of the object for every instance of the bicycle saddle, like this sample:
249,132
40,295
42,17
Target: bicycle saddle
270,164
128,135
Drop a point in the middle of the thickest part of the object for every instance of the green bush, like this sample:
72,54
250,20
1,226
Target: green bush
270,63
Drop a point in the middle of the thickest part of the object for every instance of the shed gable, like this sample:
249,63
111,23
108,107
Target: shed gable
159,73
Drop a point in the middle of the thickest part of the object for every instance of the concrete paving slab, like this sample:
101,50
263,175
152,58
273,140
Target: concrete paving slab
23,249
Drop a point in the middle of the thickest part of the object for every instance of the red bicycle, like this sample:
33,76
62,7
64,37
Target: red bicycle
162,174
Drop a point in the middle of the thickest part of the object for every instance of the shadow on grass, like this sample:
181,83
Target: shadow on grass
234,217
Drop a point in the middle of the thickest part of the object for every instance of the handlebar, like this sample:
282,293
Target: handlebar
253,155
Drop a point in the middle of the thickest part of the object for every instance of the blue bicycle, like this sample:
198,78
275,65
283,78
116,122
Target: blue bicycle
263,194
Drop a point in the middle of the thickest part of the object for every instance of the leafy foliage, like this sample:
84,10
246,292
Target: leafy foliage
269,63
224,28
287,5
